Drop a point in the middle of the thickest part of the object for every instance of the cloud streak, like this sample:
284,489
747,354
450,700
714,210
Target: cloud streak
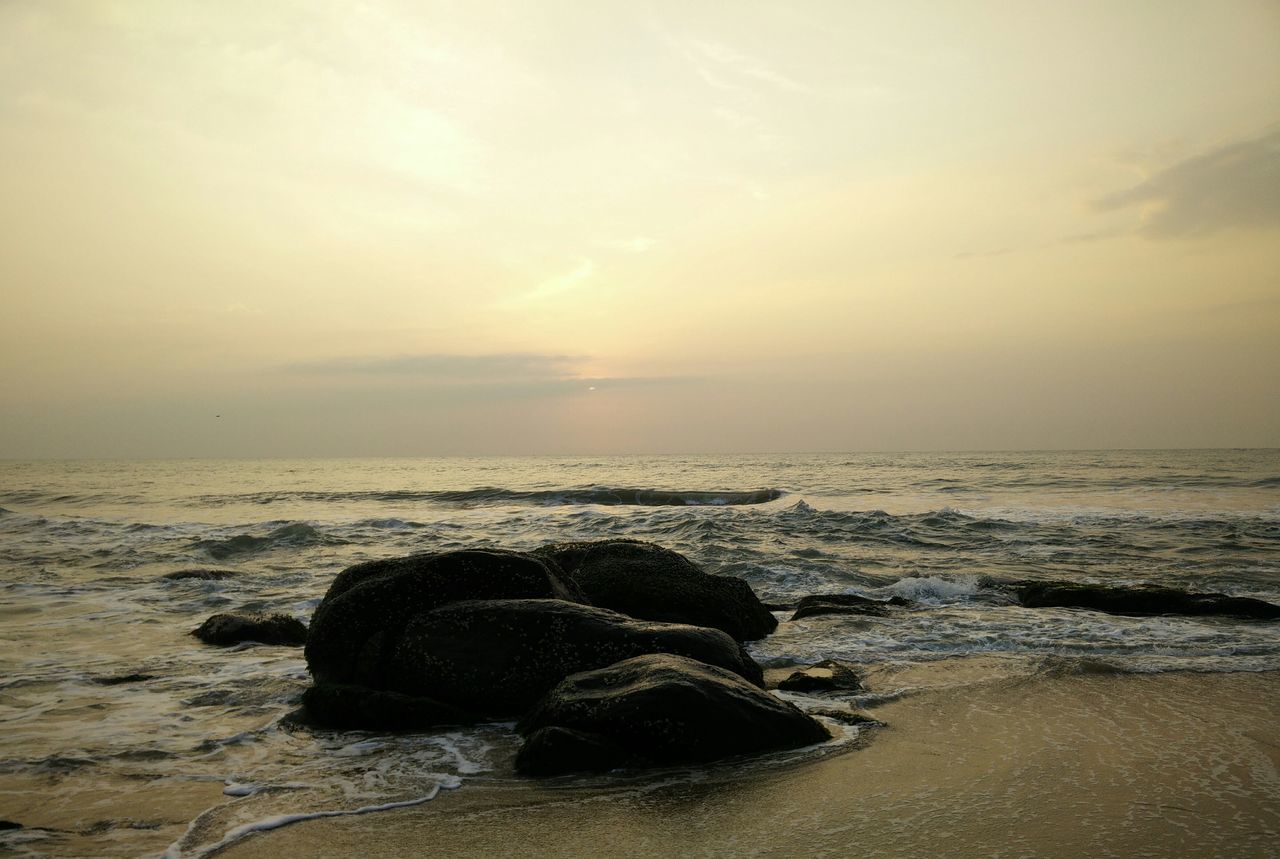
1236,186
443,367
452,378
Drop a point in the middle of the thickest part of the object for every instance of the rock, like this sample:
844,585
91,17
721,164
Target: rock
224,629
826,676
665,709
556,751
652,583
1140,600
118,679
846,604
334,705
498,657
200,575
361,619
9,824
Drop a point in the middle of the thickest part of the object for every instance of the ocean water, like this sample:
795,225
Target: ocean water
120,734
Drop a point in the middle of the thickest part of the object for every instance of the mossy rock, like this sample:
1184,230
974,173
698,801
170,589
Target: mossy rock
659,708
359,623
336,705
649,582
498,657
1141,600
817,604
228,629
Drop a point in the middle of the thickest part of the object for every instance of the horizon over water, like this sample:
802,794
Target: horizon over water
135,738
873,451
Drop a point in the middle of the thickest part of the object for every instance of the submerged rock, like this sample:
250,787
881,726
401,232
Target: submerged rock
226,629
825,676
660,709
119,679
361,620
846,604
1140,600
652,583
200,575
498,657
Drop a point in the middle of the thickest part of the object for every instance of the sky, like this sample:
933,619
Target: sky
432,228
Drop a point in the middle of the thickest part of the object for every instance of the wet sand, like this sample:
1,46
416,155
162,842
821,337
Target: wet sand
1093,765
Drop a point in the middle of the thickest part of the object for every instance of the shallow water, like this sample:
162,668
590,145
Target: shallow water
86,744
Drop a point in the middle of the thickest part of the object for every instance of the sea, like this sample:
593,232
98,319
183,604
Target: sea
122,735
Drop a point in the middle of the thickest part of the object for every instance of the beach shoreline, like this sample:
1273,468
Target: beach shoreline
1087,764
1011,729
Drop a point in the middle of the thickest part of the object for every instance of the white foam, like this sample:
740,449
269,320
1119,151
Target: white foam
266,824
356,750
451,744
933,590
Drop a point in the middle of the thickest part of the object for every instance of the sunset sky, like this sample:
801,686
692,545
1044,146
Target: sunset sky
382,228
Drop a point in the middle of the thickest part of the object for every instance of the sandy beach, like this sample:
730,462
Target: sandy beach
1102,765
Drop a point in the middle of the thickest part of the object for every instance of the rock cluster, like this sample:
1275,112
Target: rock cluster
611,653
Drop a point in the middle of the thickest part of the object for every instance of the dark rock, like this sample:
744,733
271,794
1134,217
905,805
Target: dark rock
1140,600
666,709
200,575
118,679
224,629
652,583
361,619
846,604
9,824
826,676
334,705
498,657
556,751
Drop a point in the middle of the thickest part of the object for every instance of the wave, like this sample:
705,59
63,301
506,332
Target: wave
494,495
292,534
37,496
1095,482
932,590
1080,666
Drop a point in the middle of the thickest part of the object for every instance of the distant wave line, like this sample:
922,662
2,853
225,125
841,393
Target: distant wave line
601,495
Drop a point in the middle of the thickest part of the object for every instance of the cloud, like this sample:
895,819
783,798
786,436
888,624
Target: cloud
1236,186
584,269
452,378
443,367
998,252
633,245
713,60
